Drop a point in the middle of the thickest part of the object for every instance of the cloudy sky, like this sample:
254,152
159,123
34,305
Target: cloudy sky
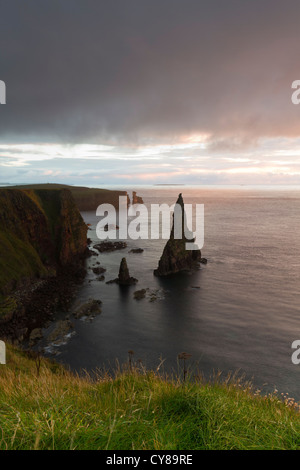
149,91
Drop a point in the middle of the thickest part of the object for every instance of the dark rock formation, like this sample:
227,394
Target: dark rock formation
110,246
136,199
35,335
124,278
60,330
175,257
136,250
139,294
98,270
89,309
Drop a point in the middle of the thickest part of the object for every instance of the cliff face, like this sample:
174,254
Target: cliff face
40,231
175,257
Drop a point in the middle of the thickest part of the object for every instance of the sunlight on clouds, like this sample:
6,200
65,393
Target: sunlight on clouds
239,160
263,170
197,138
190,157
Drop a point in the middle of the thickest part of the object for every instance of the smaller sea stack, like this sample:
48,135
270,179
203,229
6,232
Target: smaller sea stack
136,199
124,278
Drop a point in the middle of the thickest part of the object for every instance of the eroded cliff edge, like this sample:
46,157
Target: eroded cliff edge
43,240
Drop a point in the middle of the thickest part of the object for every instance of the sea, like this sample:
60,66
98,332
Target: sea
239,314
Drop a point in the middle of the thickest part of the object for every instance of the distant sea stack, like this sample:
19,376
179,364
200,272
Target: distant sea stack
175,257
136,199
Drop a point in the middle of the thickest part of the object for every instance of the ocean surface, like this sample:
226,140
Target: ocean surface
238,313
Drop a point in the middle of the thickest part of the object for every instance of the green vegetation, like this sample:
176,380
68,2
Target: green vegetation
43,406
40,227
18,259
38,230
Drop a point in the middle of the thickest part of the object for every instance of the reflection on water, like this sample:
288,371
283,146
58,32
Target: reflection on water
240,311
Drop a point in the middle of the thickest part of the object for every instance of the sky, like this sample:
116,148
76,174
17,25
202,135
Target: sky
103,92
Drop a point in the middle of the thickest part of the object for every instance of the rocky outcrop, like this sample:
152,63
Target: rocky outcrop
124,278
60,330
35,335
89,309
68,228
98,270
175,257
110,246
139,294
136,199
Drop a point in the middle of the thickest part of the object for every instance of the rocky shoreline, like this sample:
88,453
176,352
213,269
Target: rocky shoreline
37,303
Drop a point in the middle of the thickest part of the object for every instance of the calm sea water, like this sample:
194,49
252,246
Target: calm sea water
239,312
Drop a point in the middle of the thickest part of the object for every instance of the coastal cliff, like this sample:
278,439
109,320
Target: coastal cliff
86,199
42,235
175,257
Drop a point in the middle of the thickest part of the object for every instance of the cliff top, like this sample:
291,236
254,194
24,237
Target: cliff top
85,198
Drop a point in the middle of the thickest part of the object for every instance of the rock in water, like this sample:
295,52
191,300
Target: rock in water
136,199
124,278
139,294
175,257
136,250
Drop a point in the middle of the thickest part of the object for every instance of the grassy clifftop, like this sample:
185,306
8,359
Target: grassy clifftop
86,199
39,230
45,407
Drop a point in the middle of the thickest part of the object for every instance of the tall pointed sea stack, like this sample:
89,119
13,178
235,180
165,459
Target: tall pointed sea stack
176,257
124,278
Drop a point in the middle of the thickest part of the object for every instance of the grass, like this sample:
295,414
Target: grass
18,260
43,406
38,230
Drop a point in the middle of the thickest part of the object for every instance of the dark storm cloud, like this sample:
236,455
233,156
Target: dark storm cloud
148,70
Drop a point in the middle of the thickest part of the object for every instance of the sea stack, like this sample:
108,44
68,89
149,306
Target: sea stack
124,278
175,256
136,199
